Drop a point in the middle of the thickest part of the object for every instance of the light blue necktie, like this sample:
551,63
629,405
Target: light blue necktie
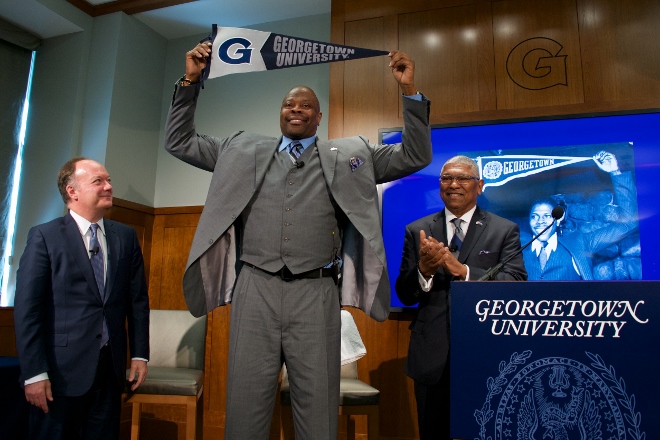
543,255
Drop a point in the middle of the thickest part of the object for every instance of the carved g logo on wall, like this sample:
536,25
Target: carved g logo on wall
535,64
239,55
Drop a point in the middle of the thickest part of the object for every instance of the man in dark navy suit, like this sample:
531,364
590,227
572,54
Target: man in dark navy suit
459,243
80,279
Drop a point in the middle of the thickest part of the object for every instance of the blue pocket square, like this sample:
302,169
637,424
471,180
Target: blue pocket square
484,252
355,162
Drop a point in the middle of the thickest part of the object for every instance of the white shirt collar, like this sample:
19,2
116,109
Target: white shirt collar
549,248
467,218
83,223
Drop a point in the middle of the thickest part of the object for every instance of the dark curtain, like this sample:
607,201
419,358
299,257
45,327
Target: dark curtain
14,72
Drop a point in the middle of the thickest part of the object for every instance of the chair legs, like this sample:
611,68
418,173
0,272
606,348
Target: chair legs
135,420
371,411
194,411
191,420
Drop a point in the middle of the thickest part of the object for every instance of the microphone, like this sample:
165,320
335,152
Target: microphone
300,164
453,247
94,250
557,214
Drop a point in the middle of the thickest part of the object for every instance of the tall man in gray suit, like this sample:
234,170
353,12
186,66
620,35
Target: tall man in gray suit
459,243
286,212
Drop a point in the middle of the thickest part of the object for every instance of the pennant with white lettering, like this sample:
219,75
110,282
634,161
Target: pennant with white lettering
498,170
238,50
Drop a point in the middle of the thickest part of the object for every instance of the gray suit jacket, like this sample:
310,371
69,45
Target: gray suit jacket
239,164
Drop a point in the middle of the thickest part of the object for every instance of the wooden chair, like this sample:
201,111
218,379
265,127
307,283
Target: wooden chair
355,398
176,363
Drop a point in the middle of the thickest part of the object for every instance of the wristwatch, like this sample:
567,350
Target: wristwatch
184,82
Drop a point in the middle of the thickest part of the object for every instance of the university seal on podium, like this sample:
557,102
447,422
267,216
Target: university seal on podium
557,398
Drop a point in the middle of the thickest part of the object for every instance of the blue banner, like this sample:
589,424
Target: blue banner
555,360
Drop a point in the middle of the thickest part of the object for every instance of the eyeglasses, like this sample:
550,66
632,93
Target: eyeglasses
463,180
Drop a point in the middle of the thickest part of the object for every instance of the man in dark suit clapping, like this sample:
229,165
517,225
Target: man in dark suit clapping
459,243
81,277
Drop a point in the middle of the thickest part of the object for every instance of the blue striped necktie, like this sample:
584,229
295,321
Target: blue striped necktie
457,239
295,150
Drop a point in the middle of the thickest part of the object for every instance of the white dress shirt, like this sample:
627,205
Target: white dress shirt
449,227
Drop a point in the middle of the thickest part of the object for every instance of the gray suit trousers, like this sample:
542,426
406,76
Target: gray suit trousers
272,321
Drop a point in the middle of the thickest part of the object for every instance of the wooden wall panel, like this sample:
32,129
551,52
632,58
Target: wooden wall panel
485,56
444,44
7,333
620,49
173,235
611,49
141,218
363,80
537,53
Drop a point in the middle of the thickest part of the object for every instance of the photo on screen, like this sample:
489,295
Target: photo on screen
597,238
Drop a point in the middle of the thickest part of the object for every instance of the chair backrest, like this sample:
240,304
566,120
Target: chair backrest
176,339
349,371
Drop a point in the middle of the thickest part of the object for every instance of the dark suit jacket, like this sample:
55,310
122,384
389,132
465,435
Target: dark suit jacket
239,163
489,240
58,311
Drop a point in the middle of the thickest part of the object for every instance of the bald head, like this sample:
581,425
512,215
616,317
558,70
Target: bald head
300,114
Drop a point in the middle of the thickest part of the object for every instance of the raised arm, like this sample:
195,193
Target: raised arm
393,162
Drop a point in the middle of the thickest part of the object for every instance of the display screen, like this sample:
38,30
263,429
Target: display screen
602,170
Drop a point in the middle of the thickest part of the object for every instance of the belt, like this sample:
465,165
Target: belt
285,274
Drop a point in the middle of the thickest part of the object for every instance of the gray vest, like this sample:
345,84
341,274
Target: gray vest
291,219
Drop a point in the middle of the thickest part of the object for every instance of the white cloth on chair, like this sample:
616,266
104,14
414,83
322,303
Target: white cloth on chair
352,347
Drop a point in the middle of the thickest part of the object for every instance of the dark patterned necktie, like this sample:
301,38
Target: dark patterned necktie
543,255
96,258
295,150
457,239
